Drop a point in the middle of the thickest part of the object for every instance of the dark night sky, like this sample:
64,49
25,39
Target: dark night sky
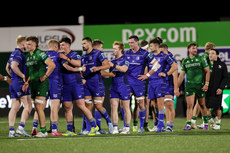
114,13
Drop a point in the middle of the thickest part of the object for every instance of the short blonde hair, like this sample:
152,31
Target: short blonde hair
209,46
120,44
52,42
20,39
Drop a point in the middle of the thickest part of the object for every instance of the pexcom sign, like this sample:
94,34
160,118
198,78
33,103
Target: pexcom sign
172,34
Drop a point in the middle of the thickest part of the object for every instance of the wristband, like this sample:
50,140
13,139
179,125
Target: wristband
148,75
46,75
114,65
80,68
206,83
5,78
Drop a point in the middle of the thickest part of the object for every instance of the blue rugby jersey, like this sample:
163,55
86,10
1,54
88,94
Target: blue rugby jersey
138,61
164,60
121,77
93,59
69,77
18,56
55,75
169,66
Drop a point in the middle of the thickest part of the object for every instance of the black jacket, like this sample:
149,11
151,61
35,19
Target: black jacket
218,79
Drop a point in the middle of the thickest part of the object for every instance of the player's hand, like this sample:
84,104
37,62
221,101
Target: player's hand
1,77
95,69
219,91
162,74
83,81
177,92
25,86
83,68
142,77
63,56
205,88
43,78
111,64
113,74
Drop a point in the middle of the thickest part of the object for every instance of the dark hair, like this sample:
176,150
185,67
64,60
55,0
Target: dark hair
191,44
97,42
66,40
156,41
134,37
87,39
163,46
217,52
34,39
143,43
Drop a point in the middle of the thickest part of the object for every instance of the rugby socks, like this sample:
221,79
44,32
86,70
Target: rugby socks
123,115
193,121
11,129
21,125
105,114
161,115
35,124
88,125
54,126
205,119
69,126
97,116
142,118
170,124
188,123
135,123
43,129
92,122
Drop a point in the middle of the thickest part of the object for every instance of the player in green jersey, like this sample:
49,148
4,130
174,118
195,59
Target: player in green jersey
196,110
37,61
194,66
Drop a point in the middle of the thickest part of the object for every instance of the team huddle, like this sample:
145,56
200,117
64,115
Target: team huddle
149,72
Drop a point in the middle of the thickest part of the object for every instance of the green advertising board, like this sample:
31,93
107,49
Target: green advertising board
226,101
173,34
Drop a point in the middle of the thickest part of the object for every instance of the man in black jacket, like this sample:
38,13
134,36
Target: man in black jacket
218,81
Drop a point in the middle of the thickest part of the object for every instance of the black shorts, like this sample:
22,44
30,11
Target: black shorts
213,102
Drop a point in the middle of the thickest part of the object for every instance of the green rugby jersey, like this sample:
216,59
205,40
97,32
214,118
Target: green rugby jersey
35,63
194,67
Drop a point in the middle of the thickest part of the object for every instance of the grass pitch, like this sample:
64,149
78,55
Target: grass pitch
178,141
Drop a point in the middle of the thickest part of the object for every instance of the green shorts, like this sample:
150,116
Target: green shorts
194,89
39,88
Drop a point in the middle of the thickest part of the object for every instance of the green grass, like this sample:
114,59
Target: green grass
177,141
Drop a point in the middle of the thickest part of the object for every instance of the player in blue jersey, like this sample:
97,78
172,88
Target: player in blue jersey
54,86
171,89
119,89
93,62
138,59
17,71
157,82
73,89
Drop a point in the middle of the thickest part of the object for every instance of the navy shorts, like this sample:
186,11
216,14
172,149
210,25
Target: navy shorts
72,92
120,91
169,88
94,89
16,89
54,89
156,90
138,89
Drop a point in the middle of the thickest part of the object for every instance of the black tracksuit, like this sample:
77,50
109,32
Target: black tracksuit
218,80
